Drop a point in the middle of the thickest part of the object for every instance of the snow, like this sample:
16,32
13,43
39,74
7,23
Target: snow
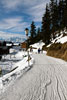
20,54
55,40
15,69
65,32
16,43
8,44
41,82
62,40
20,66
59,39
1,85
11,50
16,62
47,80
36,46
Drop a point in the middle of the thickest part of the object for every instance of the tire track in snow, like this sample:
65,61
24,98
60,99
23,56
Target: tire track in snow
60,83
43,82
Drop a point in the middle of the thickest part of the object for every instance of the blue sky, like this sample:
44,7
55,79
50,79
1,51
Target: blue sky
16,15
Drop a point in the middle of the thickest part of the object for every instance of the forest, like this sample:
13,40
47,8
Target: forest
54,19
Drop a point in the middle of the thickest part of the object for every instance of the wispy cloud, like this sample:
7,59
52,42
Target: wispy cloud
14,4
27,10
13,24
7,23
37,12
34,8
6,36
10,4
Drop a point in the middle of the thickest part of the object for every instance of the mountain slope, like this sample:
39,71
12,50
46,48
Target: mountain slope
58,47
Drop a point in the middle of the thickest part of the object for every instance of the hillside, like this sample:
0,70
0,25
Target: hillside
58,46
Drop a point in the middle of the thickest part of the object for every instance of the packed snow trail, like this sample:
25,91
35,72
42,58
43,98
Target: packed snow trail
46,80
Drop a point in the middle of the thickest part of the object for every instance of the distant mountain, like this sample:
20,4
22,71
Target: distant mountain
13,39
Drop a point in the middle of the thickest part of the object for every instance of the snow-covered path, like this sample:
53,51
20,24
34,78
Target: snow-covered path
46,80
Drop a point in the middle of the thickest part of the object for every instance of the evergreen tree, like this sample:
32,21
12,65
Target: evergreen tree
38,37
52,12
38,30
55,16
65,14
46,26
32,33
52,17
61,13
33,30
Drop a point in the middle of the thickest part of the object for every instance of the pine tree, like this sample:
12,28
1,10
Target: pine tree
38,31
46,26
65,14
53,12
61,13
33,30
55,16
38,37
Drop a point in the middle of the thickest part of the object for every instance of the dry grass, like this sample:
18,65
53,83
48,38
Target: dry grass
58,50
0,71
64,56
44,48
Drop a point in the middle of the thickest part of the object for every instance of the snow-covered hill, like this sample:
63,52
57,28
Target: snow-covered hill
37,45
62,38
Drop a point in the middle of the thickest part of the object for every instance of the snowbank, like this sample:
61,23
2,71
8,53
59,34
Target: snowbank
19,66
62,40
37,45
59,39
17,71
21,54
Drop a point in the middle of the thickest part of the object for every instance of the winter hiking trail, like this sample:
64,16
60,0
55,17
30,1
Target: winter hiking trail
46,80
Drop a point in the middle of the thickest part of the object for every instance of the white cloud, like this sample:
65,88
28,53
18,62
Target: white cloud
20,27
5,35
13,4
10,4
9,22
35,8
37,12
13,24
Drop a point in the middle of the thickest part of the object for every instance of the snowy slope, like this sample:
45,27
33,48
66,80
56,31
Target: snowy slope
17,69
60,39
36,46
